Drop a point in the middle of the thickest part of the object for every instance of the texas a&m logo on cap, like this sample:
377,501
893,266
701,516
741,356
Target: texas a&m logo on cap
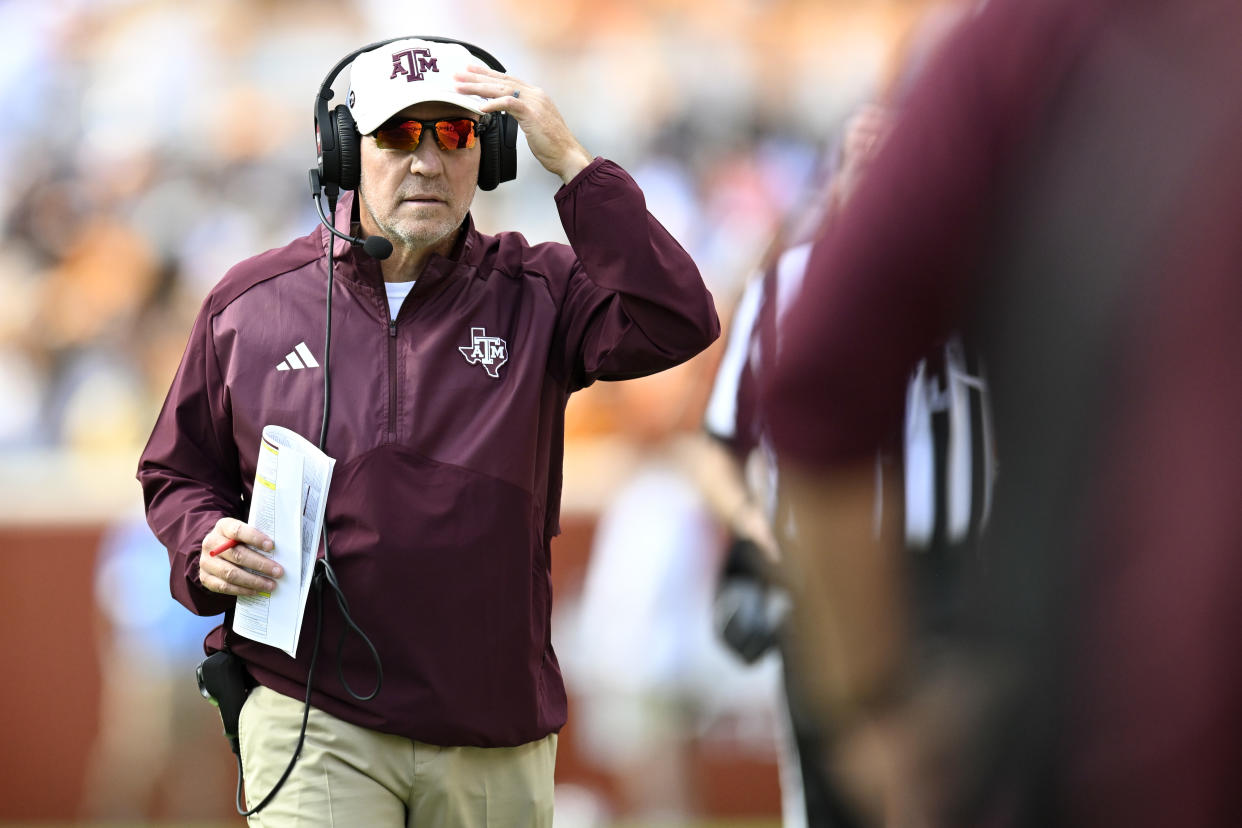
412,63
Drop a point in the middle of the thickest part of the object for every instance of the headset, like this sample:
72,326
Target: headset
338,141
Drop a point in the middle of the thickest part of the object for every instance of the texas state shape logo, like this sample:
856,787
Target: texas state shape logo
489,351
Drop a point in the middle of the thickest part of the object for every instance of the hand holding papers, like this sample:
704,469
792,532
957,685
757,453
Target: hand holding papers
287,504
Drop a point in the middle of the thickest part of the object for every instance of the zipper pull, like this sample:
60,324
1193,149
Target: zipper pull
392,327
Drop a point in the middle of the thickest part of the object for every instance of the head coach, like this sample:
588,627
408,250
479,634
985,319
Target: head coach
434,363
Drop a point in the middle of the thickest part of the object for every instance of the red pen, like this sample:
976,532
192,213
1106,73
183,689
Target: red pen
228,544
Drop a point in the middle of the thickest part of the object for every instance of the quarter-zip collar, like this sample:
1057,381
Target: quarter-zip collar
356,267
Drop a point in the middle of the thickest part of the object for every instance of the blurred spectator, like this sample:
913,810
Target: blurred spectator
649,676
154,729
1060,183
126,178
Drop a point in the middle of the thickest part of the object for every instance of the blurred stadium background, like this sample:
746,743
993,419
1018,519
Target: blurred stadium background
154,143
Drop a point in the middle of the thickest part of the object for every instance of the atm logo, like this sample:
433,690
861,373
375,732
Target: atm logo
413,63
489,351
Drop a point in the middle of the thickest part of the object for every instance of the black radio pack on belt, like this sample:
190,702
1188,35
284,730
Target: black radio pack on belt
224,682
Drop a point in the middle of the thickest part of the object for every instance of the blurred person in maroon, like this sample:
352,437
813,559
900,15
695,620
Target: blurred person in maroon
1063,182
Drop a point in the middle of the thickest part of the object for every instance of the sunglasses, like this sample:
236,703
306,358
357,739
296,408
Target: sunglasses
404,133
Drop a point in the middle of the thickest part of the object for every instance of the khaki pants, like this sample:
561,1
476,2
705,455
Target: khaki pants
350,776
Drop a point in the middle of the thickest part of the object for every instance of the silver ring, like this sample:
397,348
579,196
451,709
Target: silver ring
516,92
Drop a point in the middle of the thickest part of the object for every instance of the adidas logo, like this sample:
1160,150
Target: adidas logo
300,357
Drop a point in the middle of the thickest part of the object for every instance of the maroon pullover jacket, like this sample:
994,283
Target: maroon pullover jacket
448,429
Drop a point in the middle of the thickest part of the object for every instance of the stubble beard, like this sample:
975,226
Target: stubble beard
414,235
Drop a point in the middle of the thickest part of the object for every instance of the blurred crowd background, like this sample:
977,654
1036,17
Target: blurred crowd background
152,144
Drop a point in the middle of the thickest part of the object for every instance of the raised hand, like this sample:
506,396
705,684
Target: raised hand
547,134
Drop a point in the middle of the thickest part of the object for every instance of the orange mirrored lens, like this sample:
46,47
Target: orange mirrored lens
451,134
455,134
401,136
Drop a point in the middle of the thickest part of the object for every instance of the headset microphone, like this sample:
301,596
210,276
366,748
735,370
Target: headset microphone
377,247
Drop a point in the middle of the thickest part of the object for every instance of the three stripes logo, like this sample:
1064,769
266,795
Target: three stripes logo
297,359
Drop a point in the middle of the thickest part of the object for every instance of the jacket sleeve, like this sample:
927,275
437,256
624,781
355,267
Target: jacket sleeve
189,469
635,303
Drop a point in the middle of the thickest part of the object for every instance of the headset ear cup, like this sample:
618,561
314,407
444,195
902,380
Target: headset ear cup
489,151
348,150
506,169
499,149
326,144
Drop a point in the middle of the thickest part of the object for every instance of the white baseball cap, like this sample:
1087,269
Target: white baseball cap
386,80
